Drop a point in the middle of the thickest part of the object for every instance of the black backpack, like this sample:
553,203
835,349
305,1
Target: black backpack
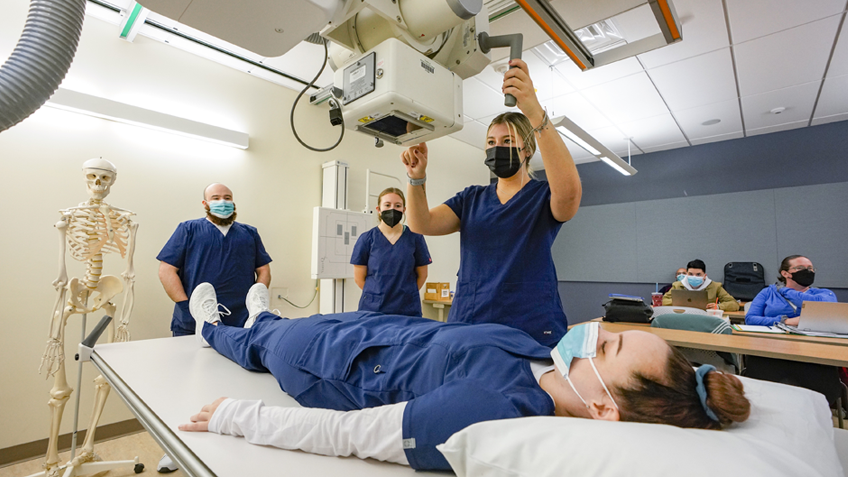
744,280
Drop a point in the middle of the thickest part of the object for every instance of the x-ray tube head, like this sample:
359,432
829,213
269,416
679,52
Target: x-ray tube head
399,95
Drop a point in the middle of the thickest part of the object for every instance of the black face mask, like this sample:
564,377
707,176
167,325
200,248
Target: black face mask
804,277
504,161
391,217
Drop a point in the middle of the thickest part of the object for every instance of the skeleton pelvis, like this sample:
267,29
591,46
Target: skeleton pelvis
108,287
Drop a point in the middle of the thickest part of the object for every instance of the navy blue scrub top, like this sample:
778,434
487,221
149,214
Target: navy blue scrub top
506,271
391,284
201,253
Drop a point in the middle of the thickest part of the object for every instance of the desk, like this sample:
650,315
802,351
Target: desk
806,351
735,316
440,306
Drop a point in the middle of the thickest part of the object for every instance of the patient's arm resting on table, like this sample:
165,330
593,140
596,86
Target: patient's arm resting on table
374,432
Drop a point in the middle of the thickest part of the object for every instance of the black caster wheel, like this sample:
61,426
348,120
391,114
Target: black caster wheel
139,468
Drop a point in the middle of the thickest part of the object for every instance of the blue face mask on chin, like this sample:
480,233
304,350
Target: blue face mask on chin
695,282
580,342
221,208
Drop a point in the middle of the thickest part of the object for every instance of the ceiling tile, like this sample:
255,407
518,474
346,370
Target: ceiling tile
751,19
488,119
839,62
777,128
479,100
719,138
784,59
704,29
798,101
578,109
830,119
834,97
652,132
691,120
627,99
472,133
696,81
604,74
613,139
666,147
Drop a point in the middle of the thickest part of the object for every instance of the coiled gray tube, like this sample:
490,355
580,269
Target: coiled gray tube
41,58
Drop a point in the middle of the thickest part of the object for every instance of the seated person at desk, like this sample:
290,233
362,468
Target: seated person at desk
772,304
775,302
680,274
407,384
697,279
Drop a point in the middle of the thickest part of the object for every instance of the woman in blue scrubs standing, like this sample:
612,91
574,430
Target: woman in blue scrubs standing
390,261
506,271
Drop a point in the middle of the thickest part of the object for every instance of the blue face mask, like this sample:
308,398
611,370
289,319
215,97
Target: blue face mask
695,282
681,277
580,342
221,208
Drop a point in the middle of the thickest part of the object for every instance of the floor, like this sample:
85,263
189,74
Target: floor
122,448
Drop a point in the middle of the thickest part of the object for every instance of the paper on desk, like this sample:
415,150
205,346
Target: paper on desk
820,334
757,329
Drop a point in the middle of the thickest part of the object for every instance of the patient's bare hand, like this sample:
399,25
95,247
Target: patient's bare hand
200,421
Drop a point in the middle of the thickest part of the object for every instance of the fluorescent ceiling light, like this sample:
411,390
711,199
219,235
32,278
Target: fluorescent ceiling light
585,145
124,113
615,166
572,131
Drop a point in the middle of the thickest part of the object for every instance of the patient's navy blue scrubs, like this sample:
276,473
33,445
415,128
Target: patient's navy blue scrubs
391,284
506,271
202,253
451,375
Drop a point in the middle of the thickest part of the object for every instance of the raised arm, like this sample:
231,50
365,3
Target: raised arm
560,170
439,220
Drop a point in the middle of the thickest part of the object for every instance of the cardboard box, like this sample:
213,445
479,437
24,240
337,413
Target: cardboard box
437,291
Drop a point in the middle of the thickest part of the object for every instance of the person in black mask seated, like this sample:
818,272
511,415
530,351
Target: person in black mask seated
506,270
390,261
782,301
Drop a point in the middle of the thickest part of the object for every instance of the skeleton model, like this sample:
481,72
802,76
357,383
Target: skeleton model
90,231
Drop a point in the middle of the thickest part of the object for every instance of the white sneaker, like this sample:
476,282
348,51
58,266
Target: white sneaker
257,301
166,465
203,306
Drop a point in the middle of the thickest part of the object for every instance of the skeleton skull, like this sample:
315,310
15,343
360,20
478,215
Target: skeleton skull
100,174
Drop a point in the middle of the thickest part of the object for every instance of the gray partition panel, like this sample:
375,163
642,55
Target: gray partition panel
737,227
598,244
813,221
645,242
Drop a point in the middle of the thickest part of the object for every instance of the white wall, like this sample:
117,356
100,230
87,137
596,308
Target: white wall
276,183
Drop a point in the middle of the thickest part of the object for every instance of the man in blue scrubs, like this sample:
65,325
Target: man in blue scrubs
214,249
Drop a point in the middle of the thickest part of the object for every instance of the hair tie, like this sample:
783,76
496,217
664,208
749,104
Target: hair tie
702,390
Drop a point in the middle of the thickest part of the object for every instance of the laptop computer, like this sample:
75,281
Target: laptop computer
690,298
824,317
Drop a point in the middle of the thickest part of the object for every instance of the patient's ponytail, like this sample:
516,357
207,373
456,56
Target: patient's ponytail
674,398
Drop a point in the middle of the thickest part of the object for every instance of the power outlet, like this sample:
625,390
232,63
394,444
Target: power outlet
277,295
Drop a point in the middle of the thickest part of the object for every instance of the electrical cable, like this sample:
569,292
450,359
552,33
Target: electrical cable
310,301
291,116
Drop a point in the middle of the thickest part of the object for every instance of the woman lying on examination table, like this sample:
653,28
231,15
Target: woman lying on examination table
506,271
796,277
408,383
390,261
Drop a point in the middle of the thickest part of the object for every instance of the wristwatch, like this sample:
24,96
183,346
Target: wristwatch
416,182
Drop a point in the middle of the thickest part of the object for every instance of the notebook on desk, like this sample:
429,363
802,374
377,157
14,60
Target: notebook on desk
691,298
827,317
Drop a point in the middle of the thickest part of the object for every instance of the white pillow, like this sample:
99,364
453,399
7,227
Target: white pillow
789,433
